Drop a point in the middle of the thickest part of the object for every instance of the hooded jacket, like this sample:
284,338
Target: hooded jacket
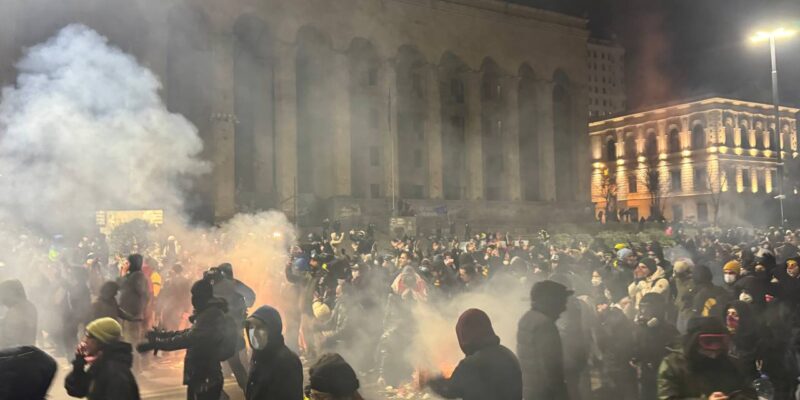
489,370
134,293
25,373
709,298
686,375
18,327
201,342
108,378
541,357
276,373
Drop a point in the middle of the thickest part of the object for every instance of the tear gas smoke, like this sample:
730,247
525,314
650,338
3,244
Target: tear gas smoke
84,129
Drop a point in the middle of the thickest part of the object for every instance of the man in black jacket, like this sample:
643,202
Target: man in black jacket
25,373
276,373
202,373
539,343
18,326
110,359
489,370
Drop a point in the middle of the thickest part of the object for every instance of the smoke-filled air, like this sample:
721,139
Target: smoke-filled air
395,199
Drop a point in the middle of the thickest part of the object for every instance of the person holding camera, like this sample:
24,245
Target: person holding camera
204,343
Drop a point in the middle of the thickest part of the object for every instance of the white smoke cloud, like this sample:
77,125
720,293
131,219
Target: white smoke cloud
84,129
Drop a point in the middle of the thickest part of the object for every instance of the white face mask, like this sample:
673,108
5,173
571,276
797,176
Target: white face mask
597,281
259,338
745,297
729,278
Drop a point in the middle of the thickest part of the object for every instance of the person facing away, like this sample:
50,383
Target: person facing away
276,372
539,344
110,360
332,378
18,326
26,373
489,370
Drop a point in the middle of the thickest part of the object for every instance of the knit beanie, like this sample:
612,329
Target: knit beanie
732,266
650,263
105,330
333,375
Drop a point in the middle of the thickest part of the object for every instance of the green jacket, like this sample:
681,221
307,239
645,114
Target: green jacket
677,382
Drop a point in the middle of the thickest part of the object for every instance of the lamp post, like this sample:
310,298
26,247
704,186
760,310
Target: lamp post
772,36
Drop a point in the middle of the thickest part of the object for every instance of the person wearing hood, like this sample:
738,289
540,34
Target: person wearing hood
648,278
110,360
613,332
332,378
225,288
106,304
276,372
19,325
701,367
683,288
539,344
26,373
708,298
489,370
202,373
652,334
788,286
134,295
399,327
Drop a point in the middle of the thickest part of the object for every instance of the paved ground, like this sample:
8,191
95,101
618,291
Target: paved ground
162,380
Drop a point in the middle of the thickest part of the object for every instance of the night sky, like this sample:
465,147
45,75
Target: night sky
682,49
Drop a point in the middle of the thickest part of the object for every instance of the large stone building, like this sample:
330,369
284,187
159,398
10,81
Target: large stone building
606,67
695,157
332,107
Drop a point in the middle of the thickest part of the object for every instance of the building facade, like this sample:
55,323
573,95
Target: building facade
699,160
342,105
606,67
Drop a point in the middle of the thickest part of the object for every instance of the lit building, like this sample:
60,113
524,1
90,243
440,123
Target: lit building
334,108
690,158
606,81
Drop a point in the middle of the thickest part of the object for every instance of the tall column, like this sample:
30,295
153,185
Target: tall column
661,136
286,126
511,138
547,174
388,113
474,142
433,134
685,134
222,126
340,118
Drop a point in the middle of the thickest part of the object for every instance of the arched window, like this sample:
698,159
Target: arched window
674,141
630,145
611,149
698,137
651,145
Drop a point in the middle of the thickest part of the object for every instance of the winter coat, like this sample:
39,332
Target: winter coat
541,357
134,293
201,342
676,381
18,327
709,300
108,378
25,373
654,283
651,343
276,373
491,372
106,304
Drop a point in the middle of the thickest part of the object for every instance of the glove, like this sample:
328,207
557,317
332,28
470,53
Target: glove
144,347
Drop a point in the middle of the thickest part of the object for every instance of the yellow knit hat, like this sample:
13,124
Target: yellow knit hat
104,329
732,266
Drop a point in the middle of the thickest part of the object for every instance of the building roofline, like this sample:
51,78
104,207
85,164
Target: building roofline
518,10
687,104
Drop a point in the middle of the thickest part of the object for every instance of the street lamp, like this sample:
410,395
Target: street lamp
761,36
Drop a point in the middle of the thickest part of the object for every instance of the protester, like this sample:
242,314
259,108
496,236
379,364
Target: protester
18,326
202,373
332,378
110,360
490,370
539,343
26,373
275,371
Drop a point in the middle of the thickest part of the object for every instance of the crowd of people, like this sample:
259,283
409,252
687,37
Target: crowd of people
711,315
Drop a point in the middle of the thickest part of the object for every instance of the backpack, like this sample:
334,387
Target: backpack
231,335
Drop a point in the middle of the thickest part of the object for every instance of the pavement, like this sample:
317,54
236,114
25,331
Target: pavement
162,380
